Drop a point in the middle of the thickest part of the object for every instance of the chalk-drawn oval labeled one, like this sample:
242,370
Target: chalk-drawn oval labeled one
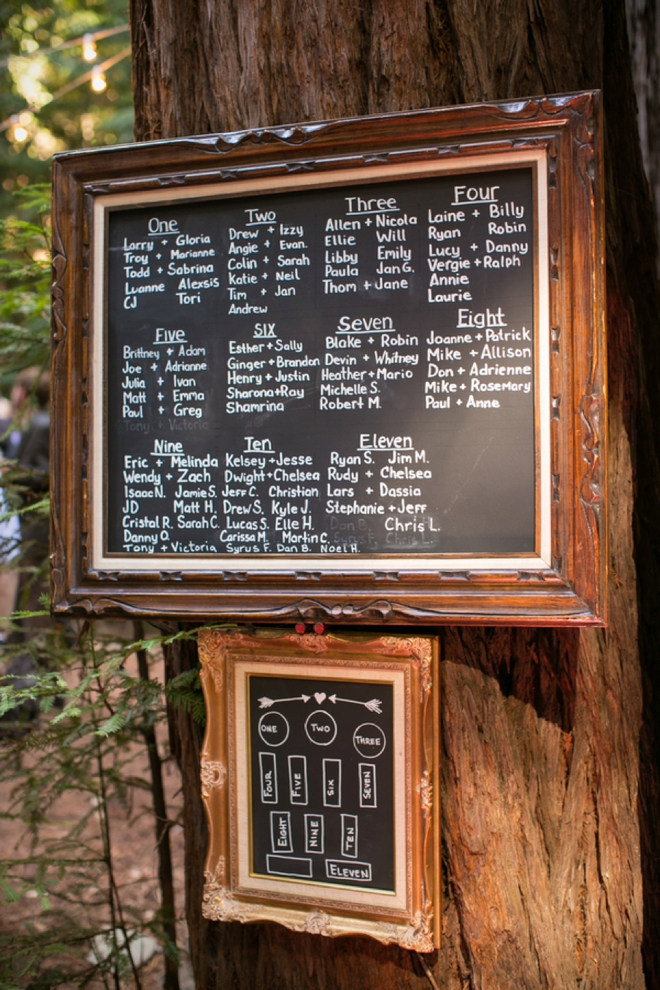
321,728
369,740
273,728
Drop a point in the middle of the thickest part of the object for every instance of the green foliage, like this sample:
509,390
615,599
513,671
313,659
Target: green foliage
87,698
185,691
25,280
77,712
93,710
31,73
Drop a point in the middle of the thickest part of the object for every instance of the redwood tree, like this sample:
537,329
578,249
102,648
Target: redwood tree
551,789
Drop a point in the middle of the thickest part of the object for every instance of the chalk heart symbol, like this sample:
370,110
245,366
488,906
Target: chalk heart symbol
320,697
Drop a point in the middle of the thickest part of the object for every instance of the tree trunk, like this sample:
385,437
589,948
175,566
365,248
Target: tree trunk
550,775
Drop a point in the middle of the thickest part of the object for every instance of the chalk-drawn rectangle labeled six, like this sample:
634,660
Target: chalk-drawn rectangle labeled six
332,783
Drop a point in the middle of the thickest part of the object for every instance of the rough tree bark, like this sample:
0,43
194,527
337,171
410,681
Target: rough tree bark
644,34
550,779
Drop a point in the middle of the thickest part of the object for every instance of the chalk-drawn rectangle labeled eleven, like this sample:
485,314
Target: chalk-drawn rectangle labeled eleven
336,869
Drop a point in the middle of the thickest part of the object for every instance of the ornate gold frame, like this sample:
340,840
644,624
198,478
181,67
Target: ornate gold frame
565,583
411,916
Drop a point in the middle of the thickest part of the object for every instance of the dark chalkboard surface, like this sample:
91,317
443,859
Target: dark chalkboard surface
322,780
344,371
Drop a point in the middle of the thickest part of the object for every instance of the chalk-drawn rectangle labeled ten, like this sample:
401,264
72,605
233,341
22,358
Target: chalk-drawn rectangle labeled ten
298,779
280,831
349,835
332,783
367,773
289,866
314,834
268,776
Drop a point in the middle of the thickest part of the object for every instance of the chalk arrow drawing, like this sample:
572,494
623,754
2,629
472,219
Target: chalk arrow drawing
269,702
373,706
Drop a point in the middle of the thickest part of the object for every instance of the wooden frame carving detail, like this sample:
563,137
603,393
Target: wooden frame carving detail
411,915
572,589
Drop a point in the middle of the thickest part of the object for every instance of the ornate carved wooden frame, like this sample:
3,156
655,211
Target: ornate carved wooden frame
412,919
570,587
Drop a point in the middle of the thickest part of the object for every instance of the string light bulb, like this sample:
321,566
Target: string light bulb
19,132
89,48
98,79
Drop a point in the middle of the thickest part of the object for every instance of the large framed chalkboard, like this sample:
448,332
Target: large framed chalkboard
320,780
350,371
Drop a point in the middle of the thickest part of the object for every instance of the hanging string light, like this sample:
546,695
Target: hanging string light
89,48
19,132
73,43
98,81
96,76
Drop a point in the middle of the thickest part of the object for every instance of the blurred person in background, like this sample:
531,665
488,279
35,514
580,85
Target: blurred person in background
27,447
10,534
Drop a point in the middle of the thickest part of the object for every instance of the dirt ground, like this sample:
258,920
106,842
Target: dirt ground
134,861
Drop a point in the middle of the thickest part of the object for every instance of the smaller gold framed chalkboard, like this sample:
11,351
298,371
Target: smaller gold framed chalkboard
320,778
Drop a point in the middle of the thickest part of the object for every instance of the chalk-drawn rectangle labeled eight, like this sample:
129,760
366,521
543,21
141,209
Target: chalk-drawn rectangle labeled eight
280,831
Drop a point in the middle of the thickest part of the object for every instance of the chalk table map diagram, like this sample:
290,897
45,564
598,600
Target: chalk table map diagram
322,781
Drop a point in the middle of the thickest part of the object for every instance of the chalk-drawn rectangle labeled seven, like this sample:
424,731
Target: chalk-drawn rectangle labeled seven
332,783
367,785
268,772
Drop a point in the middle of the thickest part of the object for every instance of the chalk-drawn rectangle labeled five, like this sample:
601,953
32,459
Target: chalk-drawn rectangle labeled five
268,771
298,779
332,783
